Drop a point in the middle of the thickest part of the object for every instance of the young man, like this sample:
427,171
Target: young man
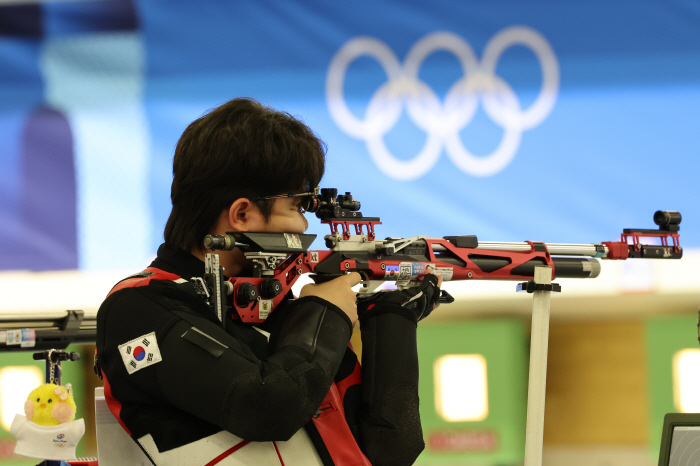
289,391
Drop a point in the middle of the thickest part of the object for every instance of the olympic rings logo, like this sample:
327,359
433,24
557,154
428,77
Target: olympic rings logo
442,121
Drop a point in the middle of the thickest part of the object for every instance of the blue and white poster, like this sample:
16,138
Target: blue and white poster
551,121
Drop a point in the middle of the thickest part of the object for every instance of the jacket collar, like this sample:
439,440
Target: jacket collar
179,262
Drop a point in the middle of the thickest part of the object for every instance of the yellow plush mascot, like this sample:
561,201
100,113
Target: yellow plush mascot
48,431
49,405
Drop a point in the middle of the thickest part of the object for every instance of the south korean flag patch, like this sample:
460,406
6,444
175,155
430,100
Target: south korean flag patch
140,352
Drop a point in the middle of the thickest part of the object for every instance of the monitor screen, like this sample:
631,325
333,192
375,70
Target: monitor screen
685,446
680,441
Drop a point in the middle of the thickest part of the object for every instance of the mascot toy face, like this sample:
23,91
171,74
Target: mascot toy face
49,405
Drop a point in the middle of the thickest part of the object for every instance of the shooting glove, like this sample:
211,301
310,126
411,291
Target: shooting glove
418,301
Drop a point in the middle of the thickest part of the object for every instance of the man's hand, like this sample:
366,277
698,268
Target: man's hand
421,299
339,292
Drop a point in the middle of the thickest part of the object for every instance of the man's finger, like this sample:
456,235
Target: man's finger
431,270
353,278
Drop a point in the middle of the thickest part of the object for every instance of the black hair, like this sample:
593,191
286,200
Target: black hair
241,149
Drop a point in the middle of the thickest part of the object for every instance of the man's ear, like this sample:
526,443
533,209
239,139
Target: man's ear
244,215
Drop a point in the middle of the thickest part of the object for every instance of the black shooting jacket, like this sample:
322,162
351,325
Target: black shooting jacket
258,390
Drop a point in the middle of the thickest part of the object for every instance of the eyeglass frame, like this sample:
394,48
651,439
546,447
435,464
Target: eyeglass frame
315,192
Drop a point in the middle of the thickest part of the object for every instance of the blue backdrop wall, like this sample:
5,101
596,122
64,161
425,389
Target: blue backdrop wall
534,120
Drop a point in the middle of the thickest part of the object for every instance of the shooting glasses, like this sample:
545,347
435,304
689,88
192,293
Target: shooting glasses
308,202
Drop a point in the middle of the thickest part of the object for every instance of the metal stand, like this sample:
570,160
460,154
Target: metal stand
53,363
541,287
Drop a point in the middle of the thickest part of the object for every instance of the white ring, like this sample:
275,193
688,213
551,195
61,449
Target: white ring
504,153
336,79
543,105
443,121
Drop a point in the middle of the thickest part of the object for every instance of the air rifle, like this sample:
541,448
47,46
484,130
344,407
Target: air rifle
281,258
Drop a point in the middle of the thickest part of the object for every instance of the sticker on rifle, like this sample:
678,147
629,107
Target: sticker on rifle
405,271
444,272
392,272
28,338
293,241
264,308
419,268
14,337
140,352
313,257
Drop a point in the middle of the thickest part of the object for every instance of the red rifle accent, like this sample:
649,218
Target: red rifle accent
625,237
288,272
617,250
357,223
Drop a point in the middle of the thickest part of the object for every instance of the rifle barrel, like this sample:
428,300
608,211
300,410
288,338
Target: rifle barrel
555,249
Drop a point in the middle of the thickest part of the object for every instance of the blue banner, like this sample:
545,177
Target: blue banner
537,120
